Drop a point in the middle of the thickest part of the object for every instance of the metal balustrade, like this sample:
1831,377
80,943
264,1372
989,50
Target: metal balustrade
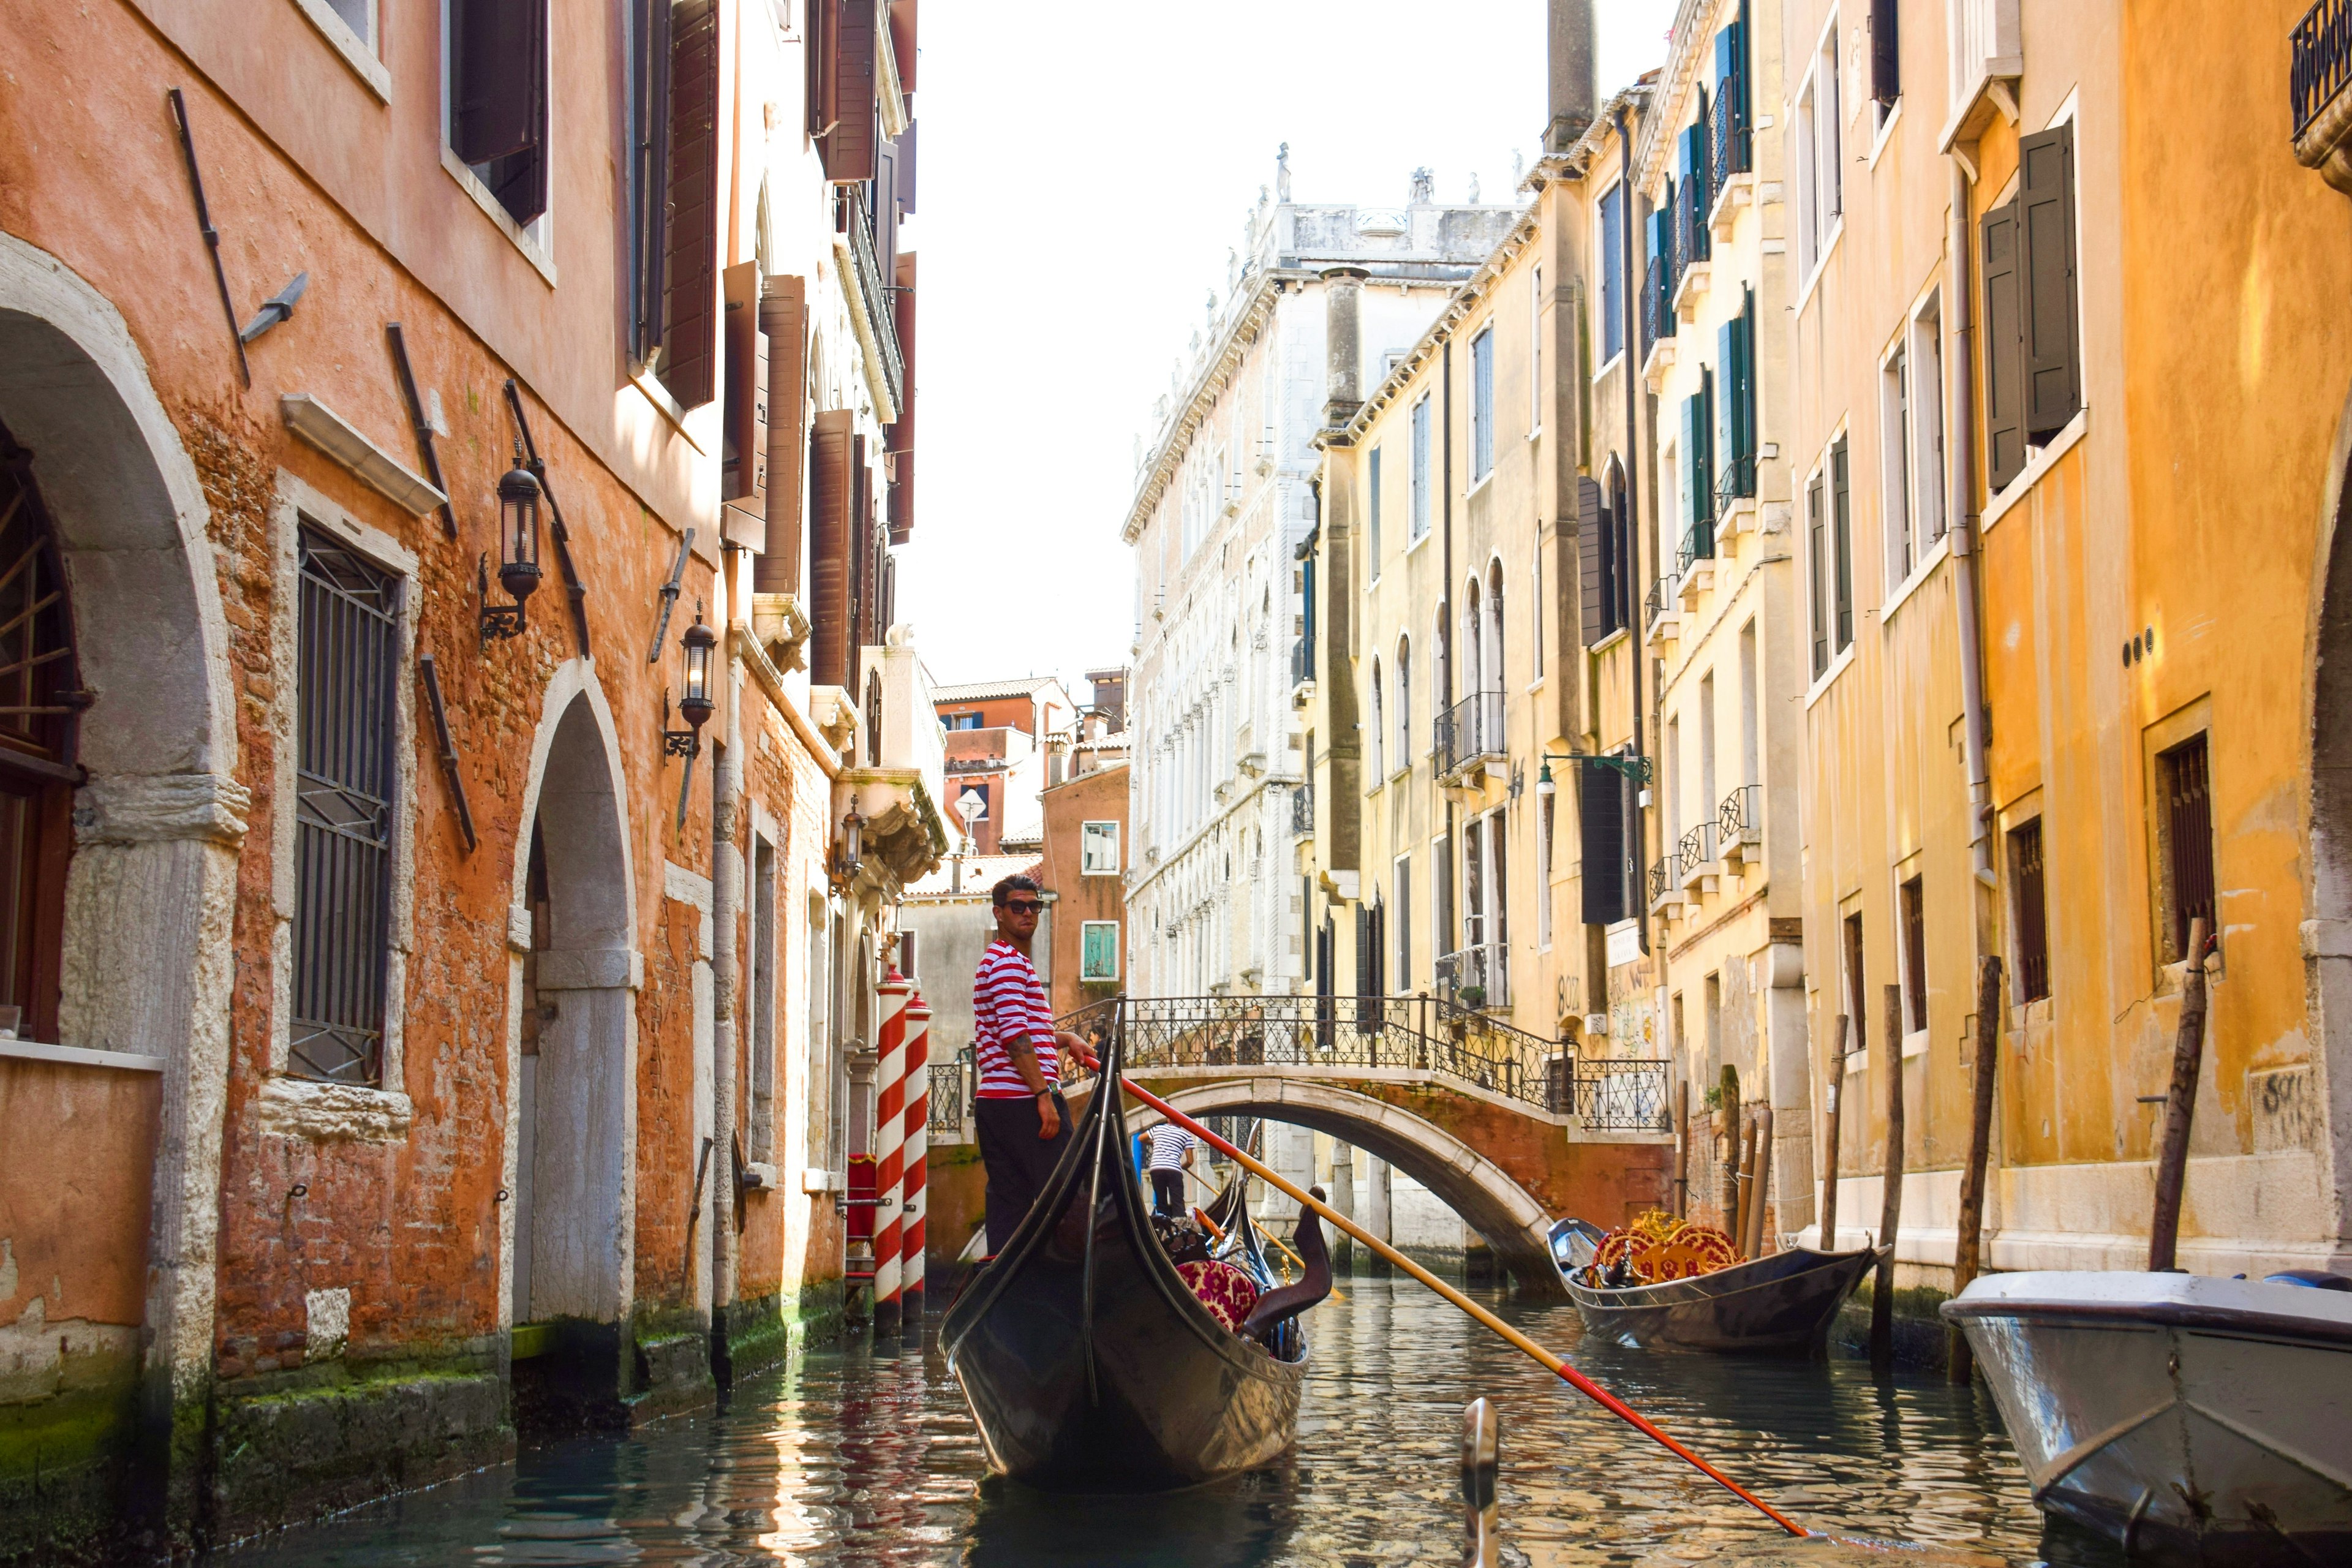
1302,813
1696,848
1738,478
950,1095
1416,1034
1469,732
1665,875
1658,318
1698,544
1731,146
1476,977
2322,59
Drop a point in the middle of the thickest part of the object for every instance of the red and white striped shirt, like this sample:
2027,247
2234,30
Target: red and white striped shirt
1008,1000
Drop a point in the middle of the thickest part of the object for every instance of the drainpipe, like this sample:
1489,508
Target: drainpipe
1633,531
1444,649
1964,535
726,899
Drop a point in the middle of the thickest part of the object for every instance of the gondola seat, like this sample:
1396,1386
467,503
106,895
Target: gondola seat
1225,1290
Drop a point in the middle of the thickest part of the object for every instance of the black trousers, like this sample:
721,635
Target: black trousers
1017,1161
1168,1193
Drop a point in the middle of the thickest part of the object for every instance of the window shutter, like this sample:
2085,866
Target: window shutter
902,48
2045,232
1726,404
902,434
1592,581
499,77
850,146
1746,427
1885,54
1816,524
816,68
1842,525
907,170
2004,339
829,547
1705,489
783,321
744,459
1726,57
690,342
1600,826
861,550
649,174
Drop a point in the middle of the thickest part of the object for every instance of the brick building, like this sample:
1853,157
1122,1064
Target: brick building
408,988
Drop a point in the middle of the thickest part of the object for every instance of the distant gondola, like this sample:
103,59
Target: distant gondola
1088,1362
1783,1304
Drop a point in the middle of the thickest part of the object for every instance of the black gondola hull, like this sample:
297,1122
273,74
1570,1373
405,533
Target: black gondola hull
1780,1305
1128,1386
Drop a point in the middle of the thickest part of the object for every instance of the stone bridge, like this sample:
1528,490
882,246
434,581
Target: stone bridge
1509,1129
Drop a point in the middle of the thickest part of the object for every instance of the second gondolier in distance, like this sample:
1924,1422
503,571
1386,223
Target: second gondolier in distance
1019,1114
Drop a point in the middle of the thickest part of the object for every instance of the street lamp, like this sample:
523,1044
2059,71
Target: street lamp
519,498
1634,768
694,705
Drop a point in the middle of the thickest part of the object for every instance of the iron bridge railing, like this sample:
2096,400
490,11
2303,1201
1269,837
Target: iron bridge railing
2321,61
1413,1034
950,1094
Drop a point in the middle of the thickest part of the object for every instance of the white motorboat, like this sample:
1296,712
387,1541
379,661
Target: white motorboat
2190,1418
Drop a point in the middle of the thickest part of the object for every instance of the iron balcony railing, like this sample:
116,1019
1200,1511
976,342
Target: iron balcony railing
1697,848
854,217
1738,478
1302,812
1469,732
1302,662
1665,875
1417,1034
1694,241
1658,302
1698,544
1662,594
1476,977
2322,59
949,1094
1741,814
1731,146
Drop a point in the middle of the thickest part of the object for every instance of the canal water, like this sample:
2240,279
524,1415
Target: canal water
867,1457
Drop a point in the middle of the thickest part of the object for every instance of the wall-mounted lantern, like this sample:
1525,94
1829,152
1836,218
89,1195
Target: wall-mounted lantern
519,499
1636,769
694,705
848,849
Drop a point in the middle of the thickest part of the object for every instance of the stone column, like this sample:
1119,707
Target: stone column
1343,1199
1789,1075
1376,1198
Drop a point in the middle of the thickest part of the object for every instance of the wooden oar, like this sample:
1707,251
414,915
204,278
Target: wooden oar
1518,1340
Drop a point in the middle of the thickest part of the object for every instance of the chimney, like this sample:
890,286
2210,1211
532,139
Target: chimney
1575,92
1343,342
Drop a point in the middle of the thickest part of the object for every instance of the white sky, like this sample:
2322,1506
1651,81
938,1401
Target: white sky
1084,170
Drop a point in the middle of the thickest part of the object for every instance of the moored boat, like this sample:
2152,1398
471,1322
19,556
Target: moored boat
1090,1362
2191,1419
1781,1304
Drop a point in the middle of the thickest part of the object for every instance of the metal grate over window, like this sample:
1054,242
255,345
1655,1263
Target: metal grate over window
2032,916
2182,773
342,833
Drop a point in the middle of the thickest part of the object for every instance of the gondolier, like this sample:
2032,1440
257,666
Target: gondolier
1022,1122
1171,1157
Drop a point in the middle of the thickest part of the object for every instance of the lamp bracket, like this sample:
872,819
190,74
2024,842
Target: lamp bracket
1636,768
499,622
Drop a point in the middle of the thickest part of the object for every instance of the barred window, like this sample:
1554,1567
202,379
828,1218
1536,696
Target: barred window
350,648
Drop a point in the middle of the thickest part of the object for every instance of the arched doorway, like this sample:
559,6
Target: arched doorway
572,1138
123,815
2329,933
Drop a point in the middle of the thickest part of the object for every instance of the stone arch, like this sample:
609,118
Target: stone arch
2328,911
146,966
572,1134
1484,1195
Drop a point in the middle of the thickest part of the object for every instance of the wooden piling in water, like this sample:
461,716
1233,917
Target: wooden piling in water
1682,1149
1829,1134
2180,1105
1890,1213
1967,1248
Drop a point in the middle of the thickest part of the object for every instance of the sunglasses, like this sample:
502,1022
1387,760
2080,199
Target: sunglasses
1023,906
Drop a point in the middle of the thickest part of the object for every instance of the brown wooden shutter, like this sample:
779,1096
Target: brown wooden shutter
902,45
816,68
1886,53
1592,581
743,451
2003,348
497,70
689,365
1842,524
1603,842
850,145
861,547
907,170
649,176
831,494
783,321
2046,233
902,434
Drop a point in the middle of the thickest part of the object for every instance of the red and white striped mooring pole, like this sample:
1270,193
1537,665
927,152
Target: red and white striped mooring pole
917,1145
889,1156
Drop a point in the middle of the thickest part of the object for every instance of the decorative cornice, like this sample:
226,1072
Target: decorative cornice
1187,417
1675,78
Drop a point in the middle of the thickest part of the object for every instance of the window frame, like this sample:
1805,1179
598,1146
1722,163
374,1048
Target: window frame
1086,974
535,239
2029,937
1609,219
1418,426
1087,837
1535,351
1372,509
361,51
1482,405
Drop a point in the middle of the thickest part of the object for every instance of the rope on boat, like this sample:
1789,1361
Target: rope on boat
1516,1340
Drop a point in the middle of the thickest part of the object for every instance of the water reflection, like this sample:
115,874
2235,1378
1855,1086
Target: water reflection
871,1458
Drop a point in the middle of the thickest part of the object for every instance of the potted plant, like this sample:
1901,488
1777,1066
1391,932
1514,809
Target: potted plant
1472,996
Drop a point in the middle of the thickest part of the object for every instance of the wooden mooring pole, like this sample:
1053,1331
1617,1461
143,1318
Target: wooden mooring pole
1682,1149
1829,1134
2180,1105
1968,1248
1890,1212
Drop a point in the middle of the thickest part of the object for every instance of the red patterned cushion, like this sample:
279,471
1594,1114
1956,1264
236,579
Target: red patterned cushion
1224,1289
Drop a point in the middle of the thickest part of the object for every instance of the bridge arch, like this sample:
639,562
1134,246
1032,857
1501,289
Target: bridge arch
1484,1193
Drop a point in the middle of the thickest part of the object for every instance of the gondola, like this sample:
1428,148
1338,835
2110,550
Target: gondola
1783,1304
1087,1362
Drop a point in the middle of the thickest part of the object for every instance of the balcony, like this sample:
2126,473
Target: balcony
1661,611
877,332
897,771
1734,497
1731,155
1739,826
1658,318
1667,883
1469,735
1302,672
1986,59
1694,244
1695,563
1695,850
2323,110
1477,977
1302,813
